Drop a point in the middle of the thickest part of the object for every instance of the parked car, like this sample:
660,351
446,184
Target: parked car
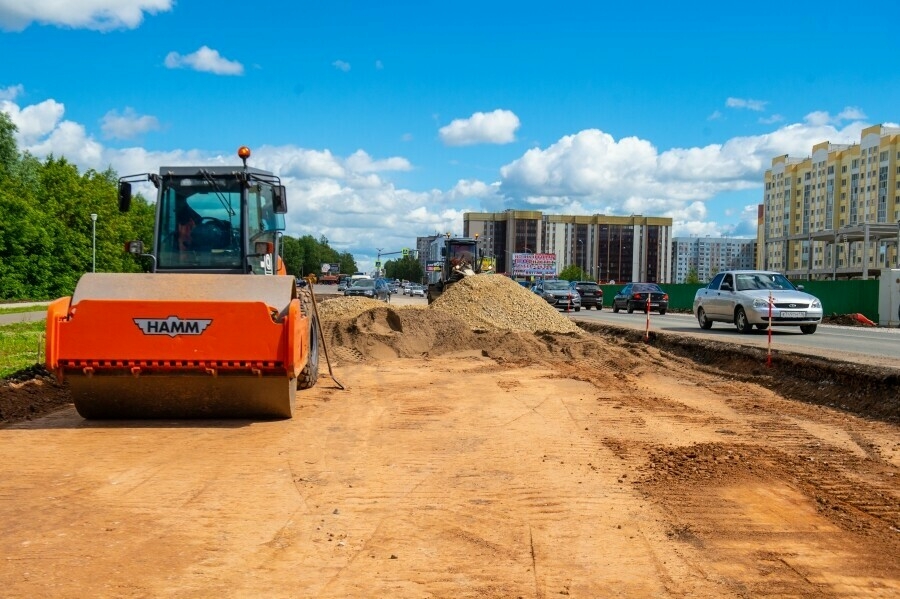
372,288
742,297
590,292
633,296
557,293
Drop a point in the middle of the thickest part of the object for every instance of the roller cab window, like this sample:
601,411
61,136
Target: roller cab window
199,223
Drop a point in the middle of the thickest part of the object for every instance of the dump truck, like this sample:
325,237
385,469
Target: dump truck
214,329
459,257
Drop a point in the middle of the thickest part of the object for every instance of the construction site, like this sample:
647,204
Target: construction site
482,445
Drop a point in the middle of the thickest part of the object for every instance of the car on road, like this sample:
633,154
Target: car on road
557,293
371,288
590,292
634,296
748,298
417,291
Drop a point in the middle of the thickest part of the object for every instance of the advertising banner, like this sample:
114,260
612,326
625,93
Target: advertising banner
534,265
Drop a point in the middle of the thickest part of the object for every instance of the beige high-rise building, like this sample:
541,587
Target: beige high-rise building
835,213
618,248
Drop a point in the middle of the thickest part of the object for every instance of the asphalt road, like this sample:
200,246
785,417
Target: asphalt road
40,313
870,345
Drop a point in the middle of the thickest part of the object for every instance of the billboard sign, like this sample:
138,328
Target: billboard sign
534,265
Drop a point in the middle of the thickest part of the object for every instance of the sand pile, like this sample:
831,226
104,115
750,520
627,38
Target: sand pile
495,302
487,313
342,308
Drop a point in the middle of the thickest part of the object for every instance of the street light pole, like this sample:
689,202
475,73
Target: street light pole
583,262
378,262
94,242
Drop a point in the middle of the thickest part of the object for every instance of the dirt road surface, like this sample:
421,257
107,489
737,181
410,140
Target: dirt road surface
460,463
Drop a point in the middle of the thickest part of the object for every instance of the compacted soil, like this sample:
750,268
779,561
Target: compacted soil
447,456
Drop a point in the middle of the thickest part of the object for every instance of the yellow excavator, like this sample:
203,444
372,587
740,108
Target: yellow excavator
216,329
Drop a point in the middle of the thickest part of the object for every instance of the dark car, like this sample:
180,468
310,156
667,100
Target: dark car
634,296
372,288
590,292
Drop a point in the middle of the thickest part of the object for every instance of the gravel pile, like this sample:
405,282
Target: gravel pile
341,308
484,302
495,302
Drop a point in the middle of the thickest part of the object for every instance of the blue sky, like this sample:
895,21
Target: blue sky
388,120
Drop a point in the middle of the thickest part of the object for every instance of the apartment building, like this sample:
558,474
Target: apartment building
706,256
836,213
607,248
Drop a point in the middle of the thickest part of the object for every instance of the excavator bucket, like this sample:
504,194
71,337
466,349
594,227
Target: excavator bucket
183,345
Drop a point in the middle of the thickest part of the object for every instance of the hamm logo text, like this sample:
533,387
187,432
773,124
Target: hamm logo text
172,326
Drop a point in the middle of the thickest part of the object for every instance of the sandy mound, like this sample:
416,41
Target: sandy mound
486,313
495,302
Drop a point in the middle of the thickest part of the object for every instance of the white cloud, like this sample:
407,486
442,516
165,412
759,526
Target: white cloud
341,65
497,127
99,15
851,113
127,125
360,162
12,92
771,120
821,117
35,121
206,60
755,105
472,188
70,139
715,116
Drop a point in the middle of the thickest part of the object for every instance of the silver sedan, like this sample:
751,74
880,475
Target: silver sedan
749,298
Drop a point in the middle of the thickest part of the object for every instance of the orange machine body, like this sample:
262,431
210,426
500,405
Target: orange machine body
110,334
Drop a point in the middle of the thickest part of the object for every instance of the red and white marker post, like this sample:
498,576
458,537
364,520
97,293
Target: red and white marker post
647,332
769,350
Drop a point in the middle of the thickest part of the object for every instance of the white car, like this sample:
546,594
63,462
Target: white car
749,298
417,291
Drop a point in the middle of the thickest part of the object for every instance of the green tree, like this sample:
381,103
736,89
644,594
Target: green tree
692,277
573,273
292,254
9,151
347,262
405,268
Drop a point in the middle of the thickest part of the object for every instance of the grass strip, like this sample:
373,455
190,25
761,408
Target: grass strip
21,346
